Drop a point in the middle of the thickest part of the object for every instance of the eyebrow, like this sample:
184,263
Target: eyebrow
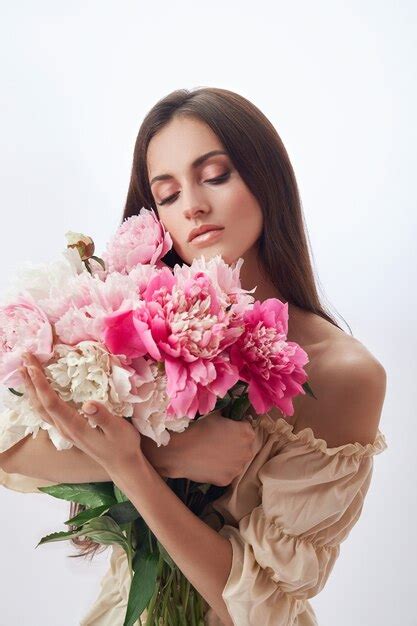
198,161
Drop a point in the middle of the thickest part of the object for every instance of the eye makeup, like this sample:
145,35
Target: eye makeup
218,180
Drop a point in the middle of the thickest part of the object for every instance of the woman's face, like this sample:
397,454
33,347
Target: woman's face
187,197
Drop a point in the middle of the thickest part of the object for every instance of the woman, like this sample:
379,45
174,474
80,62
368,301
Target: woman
209,160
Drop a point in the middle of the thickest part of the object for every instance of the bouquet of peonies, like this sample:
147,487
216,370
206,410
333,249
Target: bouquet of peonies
158,346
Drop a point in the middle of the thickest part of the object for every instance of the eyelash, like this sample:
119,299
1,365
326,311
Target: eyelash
215,181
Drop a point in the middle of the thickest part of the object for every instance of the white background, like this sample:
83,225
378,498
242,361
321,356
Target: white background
336,79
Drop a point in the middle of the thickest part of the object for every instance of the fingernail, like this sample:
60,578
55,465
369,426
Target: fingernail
89,408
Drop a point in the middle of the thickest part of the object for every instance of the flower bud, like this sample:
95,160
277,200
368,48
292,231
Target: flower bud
84,244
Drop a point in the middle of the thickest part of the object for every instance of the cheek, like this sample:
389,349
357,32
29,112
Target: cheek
178,234
171,225
244,210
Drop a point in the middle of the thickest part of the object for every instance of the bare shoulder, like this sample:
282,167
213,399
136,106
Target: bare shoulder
349,383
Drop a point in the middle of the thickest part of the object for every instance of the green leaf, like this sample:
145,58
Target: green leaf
240,405
221,403
123,512
214,492
84,516
119,495
61,536
145,567
308,389
220,516
102,529
105,530
89,494
144,534
239,388
99,260
204,487
165,555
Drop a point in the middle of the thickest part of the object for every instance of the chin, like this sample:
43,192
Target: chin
212,252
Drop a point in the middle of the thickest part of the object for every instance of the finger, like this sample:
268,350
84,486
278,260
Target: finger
66,419
71,421
38,406
99,415
33,397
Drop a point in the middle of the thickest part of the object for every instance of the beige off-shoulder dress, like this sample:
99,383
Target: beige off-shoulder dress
285,516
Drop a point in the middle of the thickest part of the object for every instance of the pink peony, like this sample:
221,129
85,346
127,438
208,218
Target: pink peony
79,313
271,365
24,327
137,332
140,239
224,278
196,386
188,329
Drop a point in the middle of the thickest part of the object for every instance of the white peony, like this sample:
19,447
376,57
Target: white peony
150,416
85,372
88,372
46,280
20,419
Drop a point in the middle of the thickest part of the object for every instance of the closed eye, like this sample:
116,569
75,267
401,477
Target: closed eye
214,181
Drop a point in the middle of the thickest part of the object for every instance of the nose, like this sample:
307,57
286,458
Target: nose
194,204
194,211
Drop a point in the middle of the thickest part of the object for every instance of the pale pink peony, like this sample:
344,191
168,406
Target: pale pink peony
224,278
18,419
271,365
140,239
150,414
186,327
46,280
24,327
79,312
88,372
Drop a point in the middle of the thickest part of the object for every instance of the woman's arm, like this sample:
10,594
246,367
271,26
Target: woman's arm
38,458
211,450
200,552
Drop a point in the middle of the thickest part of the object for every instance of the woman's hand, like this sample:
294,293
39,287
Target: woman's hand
107,438
214,449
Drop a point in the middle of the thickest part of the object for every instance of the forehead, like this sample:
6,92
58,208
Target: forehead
178,144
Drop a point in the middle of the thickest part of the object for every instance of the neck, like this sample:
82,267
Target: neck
252,275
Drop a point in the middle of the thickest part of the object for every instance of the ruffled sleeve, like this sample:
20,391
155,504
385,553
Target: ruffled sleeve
24,484
285,548
11,432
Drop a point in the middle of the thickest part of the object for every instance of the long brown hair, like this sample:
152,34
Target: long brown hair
259,155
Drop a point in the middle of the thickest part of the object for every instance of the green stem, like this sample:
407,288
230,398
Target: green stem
171,612
160,576
187,595
182,604
130,552
186,490
200,610
150,609
130,549
165,597
150,539
193,610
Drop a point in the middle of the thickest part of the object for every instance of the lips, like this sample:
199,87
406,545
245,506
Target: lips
203,229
